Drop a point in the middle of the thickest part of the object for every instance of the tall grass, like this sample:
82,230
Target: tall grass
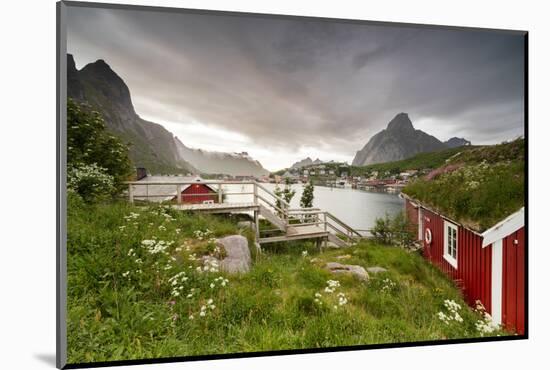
124,302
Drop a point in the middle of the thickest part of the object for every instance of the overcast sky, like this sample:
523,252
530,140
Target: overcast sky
286,89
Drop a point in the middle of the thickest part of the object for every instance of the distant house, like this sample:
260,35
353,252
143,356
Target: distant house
321,172
405,175
195,191
331,172
487,265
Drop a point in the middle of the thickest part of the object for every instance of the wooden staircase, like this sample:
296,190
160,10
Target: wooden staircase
301,223
290,223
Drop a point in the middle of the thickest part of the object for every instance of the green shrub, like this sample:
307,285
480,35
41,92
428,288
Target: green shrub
95,158
388,230
91,182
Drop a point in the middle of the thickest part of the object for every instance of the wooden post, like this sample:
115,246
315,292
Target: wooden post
257,226
325,219
220,195
131,193
255,193
178,193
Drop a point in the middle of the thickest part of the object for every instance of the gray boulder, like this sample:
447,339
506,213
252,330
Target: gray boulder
237,258
354,270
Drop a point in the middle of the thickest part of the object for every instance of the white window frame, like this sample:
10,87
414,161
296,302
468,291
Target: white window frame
453,261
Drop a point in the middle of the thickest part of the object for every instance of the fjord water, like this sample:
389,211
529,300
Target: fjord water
357,208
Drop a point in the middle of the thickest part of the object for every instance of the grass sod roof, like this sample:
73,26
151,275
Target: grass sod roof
478,187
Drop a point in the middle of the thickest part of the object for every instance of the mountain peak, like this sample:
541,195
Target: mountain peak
112,86
401,122
398,141
455,142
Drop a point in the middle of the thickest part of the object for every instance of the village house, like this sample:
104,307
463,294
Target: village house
195,191
487,265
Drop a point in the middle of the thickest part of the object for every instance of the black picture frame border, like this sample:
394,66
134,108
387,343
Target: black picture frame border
61,172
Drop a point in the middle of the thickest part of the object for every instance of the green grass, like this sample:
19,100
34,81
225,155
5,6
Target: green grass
478,187
121,303
420,161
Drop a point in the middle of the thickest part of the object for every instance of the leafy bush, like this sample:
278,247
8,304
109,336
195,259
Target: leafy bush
394,230
91,182
91,150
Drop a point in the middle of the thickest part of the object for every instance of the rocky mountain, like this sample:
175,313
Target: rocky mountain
306,162
398,141
151,145
456,142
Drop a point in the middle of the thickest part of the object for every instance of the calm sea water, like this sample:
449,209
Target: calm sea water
357,208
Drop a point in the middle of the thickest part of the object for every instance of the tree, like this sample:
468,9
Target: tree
307,195
97,161
286,194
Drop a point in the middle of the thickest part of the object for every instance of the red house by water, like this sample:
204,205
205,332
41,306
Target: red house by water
198,193
164,188
487,266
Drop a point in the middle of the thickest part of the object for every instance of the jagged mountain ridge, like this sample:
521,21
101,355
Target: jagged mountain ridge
306,162
456,142
400,140
151,145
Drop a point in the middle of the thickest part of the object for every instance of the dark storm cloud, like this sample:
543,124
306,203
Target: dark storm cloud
290,83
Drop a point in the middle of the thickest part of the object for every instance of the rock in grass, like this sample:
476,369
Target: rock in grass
354,270
237,258
376,269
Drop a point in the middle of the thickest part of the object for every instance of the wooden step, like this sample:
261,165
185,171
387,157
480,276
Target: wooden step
272,217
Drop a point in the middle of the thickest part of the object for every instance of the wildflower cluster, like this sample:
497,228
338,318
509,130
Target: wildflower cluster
177,282
202,235
485,325
221,281
304,253
90,181
209,306
340,300
210,265
331,286
156,246
451,313
387,285
132,216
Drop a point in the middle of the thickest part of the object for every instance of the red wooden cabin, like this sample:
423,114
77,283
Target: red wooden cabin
487,266
198,193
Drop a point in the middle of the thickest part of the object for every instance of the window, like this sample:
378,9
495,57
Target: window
450,247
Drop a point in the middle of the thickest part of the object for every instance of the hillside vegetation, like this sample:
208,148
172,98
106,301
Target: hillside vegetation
137,289
478,187
420,161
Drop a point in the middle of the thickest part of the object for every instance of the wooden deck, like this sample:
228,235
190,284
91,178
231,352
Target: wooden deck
320,225
297,233
217,207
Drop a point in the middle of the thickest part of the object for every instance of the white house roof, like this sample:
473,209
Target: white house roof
504,228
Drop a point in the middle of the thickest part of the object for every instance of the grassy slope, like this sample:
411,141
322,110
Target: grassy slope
418,162
114,316
487,186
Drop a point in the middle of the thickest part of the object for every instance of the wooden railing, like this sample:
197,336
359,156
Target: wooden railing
260,196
